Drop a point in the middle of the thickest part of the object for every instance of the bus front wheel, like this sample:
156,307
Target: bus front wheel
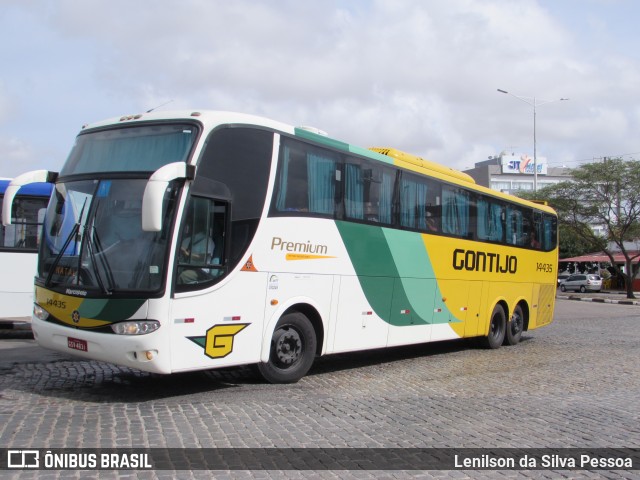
497,328
515,327
293,348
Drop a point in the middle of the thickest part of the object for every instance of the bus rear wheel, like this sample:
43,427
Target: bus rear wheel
497,329
293,348
515,327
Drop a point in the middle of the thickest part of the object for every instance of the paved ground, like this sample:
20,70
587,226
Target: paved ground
574,383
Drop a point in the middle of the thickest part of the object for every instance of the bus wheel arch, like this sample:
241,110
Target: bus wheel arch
295,342
517,323
497,326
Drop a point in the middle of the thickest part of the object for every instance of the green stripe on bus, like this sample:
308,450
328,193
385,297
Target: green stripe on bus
322,139
110,310
395,274
415,273
346,147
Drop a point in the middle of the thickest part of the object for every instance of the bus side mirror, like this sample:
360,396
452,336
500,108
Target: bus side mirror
154,193
24,179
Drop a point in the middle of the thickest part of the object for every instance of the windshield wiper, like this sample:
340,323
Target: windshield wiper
93,240
103,261
74,233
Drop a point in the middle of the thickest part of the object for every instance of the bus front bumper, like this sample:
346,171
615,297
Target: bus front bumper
143,352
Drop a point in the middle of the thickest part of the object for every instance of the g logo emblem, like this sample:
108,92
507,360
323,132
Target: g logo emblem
75,316
219,340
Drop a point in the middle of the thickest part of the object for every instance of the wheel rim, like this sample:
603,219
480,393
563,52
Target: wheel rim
287,347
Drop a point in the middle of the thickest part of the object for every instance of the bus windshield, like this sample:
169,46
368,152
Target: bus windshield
27,215
93,238
141,149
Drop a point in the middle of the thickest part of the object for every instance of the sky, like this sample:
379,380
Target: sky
418,75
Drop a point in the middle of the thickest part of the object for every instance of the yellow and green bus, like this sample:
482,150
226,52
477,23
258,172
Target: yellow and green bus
197,240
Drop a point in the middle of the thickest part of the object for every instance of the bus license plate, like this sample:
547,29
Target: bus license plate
77,344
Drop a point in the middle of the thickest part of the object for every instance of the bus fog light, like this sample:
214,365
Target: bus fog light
39,312
136,327
149,354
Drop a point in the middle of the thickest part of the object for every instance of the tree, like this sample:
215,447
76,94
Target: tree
570,244
605,195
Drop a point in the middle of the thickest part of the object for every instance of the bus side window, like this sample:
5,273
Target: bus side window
455,211
321,168
24,232
549,232
489,221
515,230
292,189
354,190
432,208
410,195
377,196
201,244
307,178
419,203
537,231
527,239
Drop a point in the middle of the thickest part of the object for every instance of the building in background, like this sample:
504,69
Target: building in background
509,172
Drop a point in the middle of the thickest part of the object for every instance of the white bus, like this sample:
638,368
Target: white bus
19,250
197,240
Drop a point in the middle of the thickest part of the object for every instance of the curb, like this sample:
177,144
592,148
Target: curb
598,300
15,323
24,326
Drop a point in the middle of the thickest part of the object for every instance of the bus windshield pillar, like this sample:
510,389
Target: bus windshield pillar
154,193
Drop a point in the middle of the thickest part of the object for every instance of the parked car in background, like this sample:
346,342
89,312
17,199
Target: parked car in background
582,282
562,277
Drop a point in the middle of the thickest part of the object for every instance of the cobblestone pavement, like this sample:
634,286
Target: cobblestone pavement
574,383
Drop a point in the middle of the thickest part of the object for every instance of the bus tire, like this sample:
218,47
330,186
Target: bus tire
515,327
497,329
293,348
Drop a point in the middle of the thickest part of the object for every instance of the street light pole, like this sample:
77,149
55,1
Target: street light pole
532,101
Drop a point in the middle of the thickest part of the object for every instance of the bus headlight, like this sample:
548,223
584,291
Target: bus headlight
39,312
135,327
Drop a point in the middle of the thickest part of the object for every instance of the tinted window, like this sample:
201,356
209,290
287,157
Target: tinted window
131,149
490,219
201,246
420,203
27,216
455,211
235,168
317,181
368,191
307,179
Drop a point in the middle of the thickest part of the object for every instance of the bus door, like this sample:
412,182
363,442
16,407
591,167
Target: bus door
217,320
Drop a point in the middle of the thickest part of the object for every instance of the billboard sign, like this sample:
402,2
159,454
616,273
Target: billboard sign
523,164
